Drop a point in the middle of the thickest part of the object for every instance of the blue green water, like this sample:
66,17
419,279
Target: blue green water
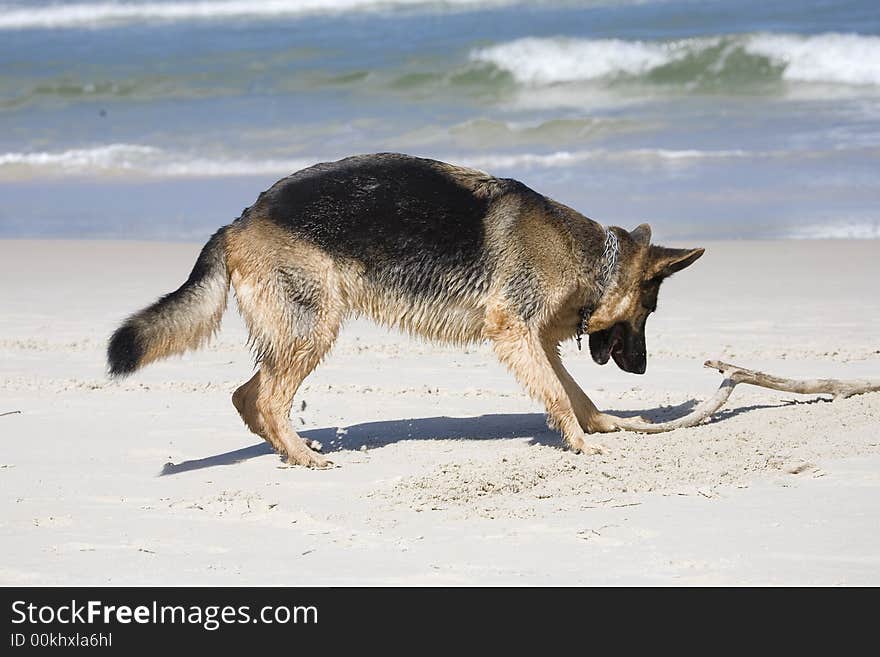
714,119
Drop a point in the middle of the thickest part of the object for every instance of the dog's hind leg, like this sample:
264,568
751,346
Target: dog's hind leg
293,318
287,358
245,401
520,348
278,383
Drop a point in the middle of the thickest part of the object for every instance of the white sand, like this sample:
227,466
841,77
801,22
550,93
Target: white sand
154,480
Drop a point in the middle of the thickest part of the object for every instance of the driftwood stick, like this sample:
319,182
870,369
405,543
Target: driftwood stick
733,375
835,387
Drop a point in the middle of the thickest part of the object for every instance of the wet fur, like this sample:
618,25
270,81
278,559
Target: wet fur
439,251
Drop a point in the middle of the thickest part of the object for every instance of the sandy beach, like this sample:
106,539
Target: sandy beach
447,472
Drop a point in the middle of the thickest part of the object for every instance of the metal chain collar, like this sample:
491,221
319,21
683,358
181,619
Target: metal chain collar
607,267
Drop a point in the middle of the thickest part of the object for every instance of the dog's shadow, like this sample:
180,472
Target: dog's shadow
531,426
379,434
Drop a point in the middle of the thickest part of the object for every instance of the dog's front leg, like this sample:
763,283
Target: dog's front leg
520,348
589,417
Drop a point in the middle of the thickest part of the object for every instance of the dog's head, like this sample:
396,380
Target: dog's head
617,326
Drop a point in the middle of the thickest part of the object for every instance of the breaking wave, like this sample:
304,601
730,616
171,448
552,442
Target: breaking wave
699,62
521,161
139,160
133,159
106,14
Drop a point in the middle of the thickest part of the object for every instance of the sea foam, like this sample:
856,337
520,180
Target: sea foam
104,14
100,158
138,160
150,161
830,58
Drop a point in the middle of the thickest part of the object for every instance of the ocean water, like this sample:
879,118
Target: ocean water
708,119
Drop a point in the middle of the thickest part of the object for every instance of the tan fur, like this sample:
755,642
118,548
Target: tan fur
167,339
197,319
294,297
290,351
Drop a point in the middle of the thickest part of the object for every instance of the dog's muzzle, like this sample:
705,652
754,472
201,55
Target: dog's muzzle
622,344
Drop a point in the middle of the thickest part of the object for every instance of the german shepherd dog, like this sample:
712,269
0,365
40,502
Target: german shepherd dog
440,251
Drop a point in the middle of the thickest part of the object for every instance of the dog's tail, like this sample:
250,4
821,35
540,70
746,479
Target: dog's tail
184,319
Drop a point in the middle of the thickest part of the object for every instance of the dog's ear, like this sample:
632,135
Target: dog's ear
663,262
641,234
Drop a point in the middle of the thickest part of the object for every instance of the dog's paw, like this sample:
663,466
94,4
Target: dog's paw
637,423
309,458
591,449
602,423
580,446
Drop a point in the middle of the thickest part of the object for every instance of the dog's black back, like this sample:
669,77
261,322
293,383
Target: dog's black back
410,222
